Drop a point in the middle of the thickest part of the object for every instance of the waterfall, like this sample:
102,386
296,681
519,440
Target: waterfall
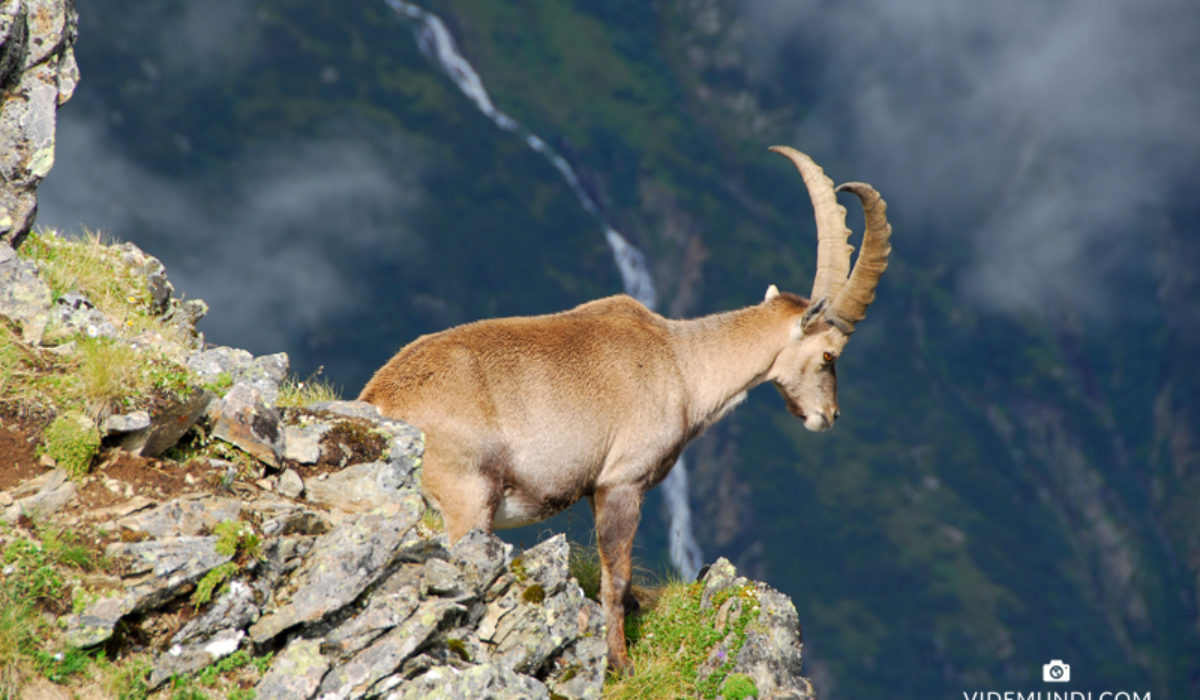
435,41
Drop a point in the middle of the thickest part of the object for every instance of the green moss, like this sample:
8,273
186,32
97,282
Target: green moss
534,594
71,440
517,567
457,646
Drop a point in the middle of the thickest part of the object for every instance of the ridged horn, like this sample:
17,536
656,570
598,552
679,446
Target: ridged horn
850,305
833,251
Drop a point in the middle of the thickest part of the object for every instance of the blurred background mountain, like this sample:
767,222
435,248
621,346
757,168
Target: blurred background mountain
1016,474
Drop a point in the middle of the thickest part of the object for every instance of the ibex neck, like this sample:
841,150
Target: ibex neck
725,355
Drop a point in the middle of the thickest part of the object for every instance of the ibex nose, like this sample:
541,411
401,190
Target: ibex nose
836,414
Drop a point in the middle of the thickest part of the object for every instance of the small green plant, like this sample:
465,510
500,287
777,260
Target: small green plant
534,593
739,686
215,577
71,440
234,539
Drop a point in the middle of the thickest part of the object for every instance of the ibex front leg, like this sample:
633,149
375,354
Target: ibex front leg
616,511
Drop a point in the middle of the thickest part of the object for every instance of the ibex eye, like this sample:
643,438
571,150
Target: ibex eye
828,357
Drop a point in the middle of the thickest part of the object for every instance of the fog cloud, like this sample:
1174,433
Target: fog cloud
271,249
1052,134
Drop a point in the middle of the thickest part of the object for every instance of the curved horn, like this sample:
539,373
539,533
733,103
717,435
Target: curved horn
850,305
833,252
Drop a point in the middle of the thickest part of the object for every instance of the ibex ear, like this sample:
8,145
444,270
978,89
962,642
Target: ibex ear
772,292
813,314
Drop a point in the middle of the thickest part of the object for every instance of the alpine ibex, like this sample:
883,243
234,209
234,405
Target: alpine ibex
525,416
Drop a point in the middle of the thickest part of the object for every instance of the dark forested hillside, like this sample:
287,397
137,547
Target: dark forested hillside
1015,476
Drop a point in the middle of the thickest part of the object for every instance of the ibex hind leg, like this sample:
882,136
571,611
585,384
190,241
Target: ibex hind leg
466,496
616,512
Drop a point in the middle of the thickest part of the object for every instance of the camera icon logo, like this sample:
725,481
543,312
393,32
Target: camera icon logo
1056,671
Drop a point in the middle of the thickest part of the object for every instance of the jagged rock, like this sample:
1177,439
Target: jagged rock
359,487
37,74
296,672
353,678
302,443
391,603
163,568
341,564
480,681
75,311
290,484
24,297
121,423
211,363
771,654
53,491
264,373
182,659
174,415
155,273
187,515
234,609
245,418
481,558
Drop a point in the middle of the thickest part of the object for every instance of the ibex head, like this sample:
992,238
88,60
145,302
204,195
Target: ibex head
804,372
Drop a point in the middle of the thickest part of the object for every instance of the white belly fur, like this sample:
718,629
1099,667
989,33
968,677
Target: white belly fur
515,511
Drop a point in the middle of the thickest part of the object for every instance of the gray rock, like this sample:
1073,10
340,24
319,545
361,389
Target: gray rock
38,72
155,274
341,565
391,603
234,609
187,515
24,298
302,443
75,311
540,614
162,569
264,373
771,654
481,557
480,681
245,418
173,417
295,673
120,423
54,491
360,487
290,484
189,658
381,658
211,363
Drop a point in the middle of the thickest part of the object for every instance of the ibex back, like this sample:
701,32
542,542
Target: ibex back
525,416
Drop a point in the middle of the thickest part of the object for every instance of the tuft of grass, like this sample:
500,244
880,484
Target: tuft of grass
72,440
128,680
92,265
295,392
95,375
33,581
671,640
583,562
739,686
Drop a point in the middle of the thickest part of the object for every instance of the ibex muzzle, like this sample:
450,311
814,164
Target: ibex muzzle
525,416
